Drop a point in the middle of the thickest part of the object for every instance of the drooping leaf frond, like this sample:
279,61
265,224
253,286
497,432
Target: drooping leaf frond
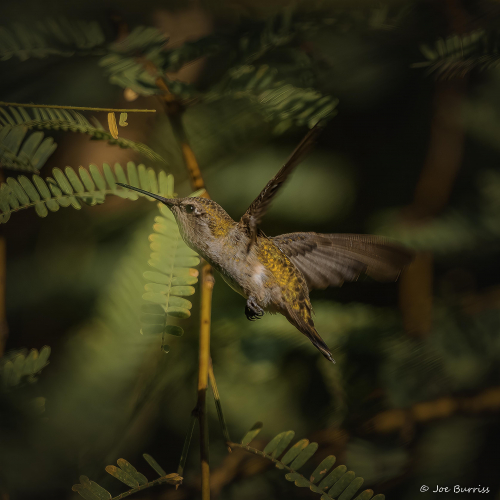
69,188
325,480
289,105
280,102
173,277
59,37
128,475
18,367
71,121
18,152
456,55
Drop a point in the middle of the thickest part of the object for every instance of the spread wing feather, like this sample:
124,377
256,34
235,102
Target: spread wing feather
253,216
330,259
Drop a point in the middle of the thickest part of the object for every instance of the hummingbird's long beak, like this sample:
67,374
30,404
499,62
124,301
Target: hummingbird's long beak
170,202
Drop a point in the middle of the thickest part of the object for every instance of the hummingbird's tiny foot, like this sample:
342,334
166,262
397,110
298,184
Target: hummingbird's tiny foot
252,310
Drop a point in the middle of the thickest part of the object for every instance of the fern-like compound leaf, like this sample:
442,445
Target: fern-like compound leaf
280,102
22,151
337,483
51,37
128,475
173,277
19,120
72,188
457,55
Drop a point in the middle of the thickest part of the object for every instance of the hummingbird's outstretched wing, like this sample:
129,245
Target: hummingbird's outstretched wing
330,259
252,217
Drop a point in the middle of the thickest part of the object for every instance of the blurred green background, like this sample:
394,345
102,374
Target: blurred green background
413,154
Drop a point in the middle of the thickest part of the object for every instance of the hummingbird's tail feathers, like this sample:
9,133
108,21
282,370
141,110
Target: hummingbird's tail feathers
319,343
307,328
330,259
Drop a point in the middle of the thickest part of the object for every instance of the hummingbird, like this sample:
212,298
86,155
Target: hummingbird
276,274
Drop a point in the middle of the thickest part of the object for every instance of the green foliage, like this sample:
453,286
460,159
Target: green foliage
20,153
128,475
260,37
173,278
281,103
139,59
277,99
274,86
136,61
327,481
58,119
126,69
64,37
19,367
69,188
457,55
59,37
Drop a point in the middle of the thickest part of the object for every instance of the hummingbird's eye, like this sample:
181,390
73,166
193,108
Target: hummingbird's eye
189,209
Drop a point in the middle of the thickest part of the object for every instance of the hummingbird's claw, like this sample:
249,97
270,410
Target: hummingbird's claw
252,310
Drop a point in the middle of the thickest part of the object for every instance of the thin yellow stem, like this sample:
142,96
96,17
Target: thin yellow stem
174,110
78,108
207,284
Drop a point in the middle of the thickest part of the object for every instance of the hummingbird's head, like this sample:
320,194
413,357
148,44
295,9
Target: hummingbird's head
200,220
